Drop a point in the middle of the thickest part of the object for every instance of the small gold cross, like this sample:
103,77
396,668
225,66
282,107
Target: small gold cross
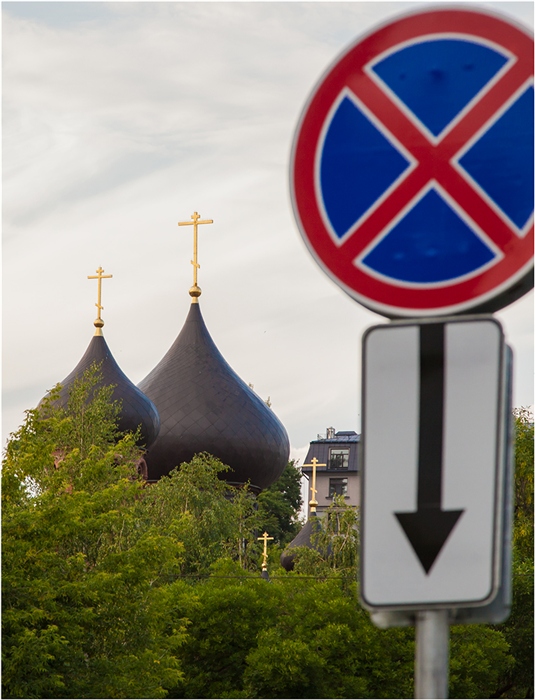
195,291
264,537
313,490
98,322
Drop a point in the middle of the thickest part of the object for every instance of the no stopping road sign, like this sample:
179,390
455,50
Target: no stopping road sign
412,166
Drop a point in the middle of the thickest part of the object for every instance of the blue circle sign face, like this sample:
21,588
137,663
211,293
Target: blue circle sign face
412,166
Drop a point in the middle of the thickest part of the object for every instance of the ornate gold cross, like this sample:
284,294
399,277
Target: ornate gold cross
313,490
195,291
264,553
98,322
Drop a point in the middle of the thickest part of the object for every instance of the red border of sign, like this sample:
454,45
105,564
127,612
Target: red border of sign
347,71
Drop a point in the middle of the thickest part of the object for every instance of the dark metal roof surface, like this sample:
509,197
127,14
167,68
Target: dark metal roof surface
302,539
205,407
342,436
136,410
321,449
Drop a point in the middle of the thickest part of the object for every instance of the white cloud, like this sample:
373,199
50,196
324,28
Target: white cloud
121,119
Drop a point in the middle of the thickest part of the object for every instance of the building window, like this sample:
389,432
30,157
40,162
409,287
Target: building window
337,487
339,459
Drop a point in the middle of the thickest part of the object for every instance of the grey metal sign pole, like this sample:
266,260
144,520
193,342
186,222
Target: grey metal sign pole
432,654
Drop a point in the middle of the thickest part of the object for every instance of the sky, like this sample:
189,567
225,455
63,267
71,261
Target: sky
121,119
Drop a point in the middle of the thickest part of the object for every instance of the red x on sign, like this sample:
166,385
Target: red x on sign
412,166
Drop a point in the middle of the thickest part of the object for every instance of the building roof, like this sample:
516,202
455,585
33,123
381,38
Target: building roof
322,447
137,410
205,407
339,436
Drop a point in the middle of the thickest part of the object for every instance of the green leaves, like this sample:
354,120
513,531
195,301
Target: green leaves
114,588
291,638
479,659
79,570
523,532
82,613
209,517
518,629
279,504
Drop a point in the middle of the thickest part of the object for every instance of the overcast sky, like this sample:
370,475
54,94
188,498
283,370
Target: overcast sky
121,119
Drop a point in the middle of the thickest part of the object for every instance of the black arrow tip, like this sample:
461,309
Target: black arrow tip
427,530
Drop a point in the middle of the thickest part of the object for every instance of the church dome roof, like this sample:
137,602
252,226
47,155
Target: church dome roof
205,407
302,539
137,410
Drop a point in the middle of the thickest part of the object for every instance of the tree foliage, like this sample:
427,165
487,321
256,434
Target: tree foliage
334,543
293,637
80,585
113,588
279,504
518,629
523,528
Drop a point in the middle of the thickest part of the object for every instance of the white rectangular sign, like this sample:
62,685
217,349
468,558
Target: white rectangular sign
432,462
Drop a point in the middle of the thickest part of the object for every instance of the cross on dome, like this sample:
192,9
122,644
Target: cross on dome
195,290
265,539
98,322
313,490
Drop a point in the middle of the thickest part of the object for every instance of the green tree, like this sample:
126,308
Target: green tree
81,583
293,637
231,608
113,588
334,543
323,645
518,629
479,658
93,557
523,522
278,506
209,517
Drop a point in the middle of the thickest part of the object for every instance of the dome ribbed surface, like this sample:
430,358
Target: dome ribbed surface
205,407
136,408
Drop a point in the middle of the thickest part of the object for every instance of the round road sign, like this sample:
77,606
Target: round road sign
412,165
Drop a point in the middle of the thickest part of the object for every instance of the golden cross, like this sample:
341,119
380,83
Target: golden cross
264,553
99,276
195,291
313,490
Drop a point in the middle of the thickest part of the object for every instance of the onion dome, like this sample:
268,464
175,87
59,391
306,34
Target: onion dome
312,526
205,407
302,539
137,410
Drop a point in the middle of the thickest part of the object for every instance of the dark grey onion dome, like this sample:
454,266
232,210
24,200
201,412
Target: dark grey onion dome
302,539
205,407
136,408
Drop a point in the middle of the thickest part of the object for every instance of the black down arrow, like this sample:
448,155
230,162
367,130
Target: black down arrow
428,528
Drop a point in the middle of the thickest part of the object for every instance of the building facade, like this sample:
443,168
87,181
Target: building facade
338,468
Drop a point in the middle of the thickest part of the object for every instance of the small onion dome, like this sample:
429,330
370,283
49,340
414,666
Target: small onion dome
136,409
205,407
302,539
